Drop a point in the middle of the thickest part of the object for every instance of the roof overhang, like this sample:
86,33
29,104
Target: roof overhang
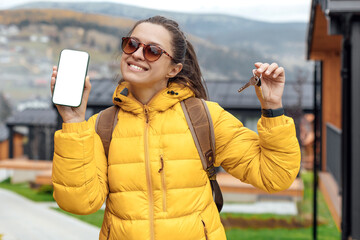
319,40
341,6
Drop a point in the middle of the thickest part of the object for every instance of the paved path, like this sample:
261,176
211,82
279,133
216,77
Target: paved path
280,208
22,219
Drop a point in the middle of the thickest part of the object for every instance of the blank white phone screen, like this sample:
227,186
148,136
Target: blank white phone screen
70,80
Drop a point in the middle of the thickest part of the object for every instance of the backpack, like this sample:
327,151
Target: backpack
199,121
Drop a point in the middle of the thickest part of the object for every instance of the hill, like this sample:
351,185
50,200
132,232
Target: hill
251,40
217,61
62,18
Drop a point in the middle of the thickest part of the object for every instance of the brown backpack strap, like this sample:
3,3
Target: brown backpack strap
105,124
201,126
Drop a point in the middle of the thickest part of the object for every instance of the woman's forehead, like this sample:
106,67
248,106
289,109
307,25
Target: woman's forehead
152,33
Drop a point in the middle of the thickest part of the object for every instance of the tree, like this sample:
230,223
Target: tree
296,111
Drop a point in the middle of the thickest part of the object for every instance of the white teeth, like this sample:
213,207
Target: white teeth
136,67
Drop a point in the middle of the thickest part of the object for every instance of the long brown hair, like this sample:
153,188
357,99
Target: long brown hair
183,52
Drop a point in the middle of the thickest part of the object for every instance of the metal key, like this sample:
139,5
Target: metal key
253,81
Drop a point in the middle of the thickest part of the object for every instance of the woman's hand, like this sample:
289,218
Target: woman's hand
272,85
72,114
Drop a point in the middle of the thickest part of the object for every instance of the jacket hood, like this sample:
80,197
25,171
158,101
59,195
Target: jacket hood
162,101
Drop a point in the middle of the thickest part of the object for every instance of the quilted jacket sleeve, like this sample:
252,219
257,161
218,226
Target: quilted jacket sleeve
79,172
269,160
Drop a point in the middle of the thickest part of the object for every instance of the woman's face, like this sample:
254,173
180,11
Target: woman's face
141,73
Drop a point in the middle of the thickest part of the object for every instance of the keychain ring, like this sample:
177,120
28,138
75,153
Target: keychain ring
257,78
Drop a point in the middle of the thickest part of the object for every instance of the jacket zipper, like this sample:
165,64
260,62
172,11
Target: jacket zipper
163,183
148,173
205,230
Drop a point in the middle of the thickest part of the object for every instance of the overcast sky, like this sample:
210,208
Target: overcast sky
265,10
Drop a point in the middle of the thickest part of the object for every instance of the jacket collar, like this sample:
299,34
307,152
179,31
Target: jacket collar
162,101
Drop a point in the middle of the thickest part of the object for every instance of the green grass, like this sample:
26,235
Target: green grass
279,234
43,194
95,219
327,229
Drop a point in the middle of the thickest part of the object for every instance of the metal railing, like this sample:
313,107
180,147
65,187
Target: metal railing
333,152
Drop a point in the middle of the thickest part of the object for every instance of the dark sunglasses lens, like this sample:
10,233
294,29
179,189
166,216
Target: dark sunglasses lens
152,53
129,45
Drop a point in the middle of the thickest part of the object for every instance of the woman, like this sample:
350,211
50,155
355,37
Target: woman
153,181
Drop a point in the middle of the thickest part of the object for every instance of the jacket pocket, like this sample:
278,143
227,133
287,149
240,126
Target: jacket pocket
205,230
163,181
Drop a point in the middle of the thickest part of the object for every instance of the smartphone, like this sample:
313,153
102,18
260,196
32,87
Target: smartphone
70,79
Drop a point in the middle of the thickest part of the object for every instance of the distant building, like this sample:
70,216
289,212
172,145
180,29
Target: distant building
38,126
17,141
41,122
4,143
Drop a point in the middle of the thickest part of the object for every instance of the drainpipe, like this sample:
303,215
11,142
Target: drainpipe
346,127
317,128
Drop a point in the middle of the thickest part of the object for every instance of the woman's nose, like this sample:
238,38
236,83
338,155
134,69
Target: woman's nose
139,53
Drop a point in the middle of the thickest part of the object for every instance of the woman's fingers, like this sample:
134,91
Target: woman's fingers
278,71
54,73
52,85
87,89
271,68
258,64
262,68
53,77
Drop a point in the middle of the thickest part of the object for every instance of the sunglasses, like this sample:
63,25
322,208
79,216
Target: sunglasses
151,52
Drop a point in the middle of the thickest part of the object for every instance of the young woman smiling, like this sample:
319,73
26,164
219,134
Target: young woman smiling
152,180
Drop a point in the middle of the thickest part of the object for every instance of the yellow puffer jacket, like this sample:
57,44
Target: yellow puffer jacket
153,181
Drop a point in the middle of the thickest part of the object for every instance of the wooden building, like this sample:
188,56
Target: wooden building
4,142
334,43
17,140
38,126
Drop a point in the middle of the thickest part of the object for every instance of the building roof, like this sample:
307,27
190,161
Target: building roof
4,132
33,117
37,117
226,94
223,92
101,92
331,9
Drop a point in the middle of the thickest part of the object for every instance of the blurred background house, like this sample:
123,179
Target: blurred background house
4,142
334,43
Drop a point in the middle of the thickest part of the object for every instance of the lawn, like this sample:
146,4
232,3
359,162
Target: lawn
297,227
42,194
250,226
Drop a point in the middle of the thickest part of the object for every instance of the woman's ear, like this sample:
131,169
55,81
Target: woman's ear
174,70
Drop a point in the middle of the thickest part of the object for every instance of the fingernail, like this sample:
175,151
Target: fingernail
274,76
267,72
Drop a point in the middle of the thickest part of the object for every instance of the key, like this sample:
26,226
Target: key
253,81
